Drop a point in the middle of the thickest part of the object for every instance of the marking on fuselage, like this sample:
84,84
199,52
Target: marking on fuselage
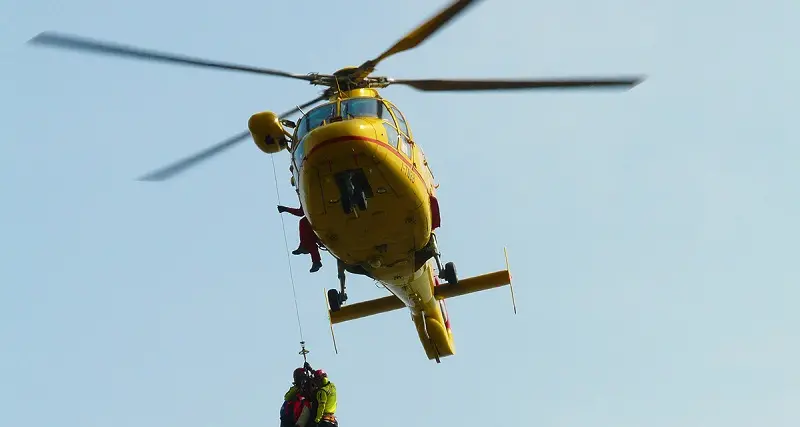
407,172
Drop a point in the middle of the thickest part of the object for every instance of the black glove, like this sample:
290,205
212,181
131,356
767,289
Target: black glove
281,209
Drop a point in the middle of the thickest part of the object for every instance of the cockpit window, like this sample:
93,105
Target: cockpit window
361,107
315,118
298,154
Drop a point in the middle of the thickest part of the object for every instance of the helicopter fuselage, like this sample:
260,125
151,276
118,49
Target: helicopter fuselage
369,195
365,186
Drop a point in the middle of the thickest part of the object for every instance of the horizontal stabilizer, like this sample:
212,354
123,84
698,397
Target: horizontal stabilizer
366,308
446,290
473,284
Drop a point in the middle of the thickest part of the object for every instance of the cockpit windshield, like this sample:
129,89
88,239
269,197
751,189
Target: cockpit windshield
361,107
350,109
315,118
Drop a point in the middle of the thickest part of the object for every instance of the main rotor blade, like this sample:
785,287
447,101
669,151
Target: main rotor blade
94,46
418,35
182,165
435,85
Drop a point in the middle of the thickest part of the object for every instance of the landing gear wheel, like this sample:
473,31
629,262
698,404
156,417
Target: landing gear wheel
449,273
334,300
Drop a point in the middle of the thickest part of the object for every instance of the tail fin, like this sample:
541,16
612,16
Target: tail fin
510,285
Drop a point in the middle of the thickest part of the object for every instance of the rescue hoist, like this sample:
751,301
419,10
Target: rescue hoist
303,350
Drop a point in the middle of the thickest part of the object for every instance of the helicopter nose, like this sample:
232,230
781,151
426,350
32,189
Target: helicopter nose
347,138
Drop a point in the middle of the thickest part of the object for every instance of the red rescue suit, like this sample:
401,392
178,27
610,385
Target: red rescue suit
308,239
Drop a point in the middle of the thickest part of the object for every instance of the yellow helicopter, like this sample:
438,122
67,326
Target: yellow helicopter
363,181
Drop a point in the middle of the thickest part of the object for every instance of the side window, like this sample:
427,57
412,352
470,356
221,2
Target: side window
299,131
384,113
391,134
302,128
405,147
401,123
298,154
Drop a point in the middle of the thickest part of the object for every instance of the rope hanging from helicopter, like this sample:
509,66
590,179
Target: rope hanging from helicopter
303,350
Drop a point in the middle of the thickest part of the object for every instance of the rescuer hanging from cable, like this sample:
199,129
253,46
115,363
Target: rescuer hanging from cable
308,239
325,414
310,401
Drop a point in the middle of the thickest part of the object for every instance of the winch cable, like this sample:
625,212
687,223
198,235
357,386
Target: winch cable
289,261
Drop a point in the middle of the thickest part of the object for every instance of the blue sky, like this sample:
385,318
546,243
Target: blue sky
651,233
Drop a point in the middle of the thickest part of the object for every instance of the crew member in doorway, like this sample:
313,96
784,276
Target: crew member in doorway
308,240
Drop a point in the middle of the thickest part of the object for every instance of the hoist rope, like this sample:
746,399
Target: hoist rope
288,256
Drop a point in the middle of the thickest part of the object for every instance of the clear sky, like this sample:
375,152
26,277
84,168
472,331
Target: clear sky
652,233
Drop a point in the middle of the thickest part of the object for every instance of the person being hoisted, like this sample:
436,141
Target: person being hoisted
301,383
297,404
308,239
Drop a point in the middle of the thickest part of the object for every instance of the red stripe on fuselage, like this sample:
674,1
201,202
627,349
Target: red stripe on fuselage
393,150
